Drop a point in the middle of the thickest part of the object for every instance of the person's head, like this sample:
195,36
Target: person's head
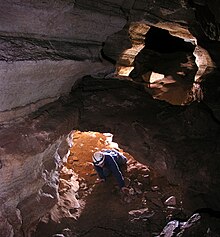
98,158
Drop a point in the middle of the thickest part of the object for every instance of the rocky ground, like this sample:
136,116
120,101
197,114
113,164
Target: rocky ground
104,210
150,204
180,143
152,134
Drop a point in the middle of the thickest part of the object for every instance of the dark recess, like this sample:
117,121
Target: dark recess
161,41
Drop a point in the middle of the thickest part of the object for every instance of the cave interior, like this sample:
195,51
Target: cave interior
141,77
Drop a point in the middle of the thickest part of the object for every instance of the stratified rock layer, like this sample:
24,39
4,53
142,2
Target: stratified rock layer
28,85
46,46
59,34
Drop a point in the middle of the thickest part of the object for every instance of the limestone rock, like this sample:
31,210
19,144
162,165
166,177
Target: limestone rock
171,201
63,20
24,78
141,214
46,46
48,56
29,175
199,224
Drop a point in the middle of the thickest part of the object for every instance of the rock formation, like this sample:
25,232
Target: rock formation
47,47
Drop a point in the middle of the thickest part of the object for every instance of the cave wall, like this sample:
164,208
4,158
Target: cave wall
181,143
60,36
31,157
27,192
46,46
28,85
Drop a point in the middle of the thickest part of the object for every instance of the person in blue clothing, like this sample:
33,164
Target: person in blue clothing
107,162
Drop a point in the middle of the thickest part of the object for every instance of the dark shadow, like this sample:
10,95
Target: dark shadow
161,41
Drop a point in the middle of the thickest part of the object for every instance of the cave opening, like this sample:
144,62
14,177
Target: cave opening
169,66
89,208
161,41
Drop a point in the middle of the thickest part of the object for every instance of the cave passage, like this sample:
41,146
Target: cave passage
103,209
162,41
169,67
166,64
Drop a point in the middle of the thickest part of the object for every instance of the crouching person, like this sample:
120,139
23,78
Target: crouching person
107,162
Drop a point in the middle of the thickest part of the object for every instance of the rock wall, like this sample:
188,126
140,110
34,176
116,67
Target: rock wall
28,85
27,192
181,143
45,36
31,157
45,47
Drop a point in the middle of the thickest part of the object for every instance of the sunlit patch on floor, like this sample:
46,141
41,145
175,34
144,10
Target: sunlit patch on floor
102,207
80,158
89,209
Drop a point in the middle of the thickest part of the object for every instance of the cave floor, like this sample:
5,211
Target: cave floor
155,132
104,210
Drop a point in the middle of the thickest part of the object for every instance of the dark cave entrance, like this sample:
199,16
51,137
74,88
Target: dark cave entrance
163,42
166,64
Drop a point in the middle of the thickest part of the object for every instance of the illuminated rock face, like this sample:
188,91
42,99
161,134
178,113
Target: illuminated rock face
174,141
52,44
31,157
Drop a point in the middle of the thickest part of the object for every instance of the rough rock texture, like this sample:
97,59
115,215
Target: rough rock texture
29,178
194,21
208,26
179,19
46,46
173,58
166,137
57,19
31,154
170,147
27,85
169,15
197,225
58,30
61,30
